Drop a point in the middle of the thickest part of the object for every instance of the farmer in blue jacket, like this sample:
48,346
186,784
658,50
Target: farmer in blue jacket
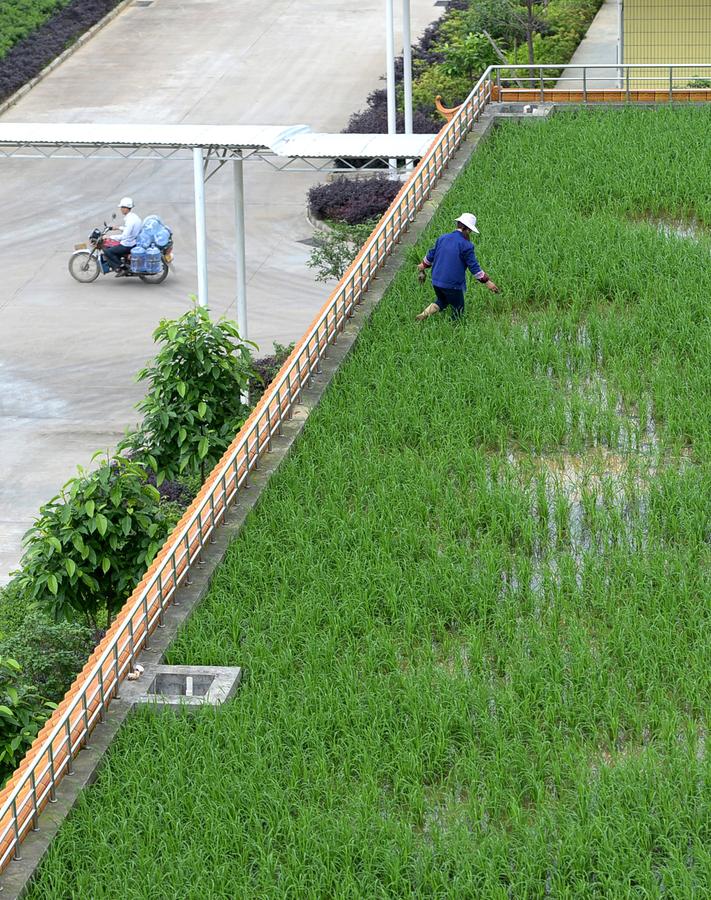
449,260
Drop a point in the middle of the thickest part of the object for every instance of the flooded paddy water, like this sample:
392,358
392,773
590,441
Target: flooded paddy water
596,496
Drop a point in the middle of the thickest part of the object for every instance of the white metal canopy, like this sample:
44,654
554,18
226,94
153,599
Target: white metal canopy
293,147
284,147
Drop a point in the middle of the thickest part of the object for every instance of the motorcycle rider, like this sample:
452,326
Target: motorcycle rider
131,226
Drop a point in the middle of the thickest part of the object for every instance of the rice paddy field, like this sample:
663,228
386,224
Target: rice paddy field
473,605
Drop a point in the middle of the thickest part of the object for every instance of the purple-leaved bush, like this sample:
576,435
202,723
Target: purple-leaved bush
374,118
353,201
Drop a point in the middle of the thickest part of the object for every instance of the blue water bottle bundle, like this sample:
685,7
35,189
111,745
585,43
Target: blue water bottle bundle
153,261
138,260
146,256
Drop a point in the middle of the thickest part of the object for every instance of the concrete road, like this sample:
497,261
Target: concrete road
599,47
69,352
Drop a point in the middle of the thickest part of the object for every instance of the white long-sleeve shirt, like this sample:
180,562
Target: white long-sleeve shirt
131,226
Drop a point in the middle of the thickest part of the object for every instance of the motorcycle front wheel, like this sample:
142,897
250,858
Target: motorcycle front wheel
156,279
84,267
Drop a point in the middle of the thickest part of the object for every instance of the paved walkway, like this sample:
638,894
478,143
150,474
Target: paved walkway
69,352
599,46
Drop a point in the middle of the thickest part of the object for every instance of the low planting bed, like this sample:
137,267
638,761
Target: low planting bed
473,606
34,32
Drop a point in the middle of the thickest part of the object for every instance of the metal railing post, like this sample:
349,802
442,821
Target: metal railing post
16,825
70,759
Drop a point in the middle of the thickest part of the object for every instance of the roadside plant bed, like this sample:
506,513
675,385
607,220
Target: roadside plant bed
263,371
474,601
92,543
35,32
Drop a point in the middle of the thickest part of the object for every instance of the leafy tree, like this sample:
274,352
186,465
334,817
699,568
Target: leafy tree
193,407
93,541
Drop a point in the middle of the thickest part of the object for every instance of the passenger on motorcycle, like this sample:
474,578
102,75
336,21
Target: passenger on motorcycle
131,226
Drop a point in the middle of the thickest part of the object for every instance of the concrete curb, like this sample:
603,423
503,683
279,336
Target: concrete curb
80,41
16,879
316,224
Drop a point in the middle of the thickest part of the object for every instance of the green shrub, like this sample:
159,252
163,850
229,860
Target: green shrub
93,541
14,607
435,81
193,406
50,653
468,55
337,248
22,713
463,51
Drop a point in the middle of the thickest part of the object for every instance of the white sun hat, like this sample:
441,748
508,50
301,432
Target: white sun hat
126,201
469,221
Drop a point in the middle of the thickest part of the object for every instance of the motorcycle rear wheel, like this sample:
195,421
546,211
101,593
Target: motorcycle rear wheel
156,279
83,267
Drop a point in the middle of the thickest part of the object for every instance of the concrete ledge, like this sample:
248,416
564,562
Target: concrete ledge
80,41
17,877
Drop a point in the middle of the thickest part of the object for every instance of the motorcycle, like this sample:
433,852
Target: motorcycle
85,265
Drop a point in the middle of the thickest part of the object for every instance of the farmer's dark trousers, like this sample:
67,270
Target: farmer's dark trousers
115,255
450,297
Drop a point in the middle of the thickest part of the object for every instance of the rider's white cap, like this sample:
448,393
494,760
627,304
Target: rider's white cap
126,201
469,221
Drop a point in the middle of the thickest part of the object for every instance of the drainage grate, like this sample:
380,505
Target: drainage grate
143,3
191,686
170,684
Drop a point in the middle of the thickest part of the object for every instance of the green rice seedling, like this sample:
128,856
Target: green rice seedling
473,605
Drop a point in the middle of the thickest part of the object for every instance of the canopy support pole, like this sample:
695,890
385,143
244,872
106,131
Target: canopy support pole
407,70
200,226
238,174
390,76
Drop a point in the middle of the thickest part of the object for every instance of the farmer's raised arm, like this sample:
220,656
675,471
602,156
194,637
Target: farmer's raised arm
472,263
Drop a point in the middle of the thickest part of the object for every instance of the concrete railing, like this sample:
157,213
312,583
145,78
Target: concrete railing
50,757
